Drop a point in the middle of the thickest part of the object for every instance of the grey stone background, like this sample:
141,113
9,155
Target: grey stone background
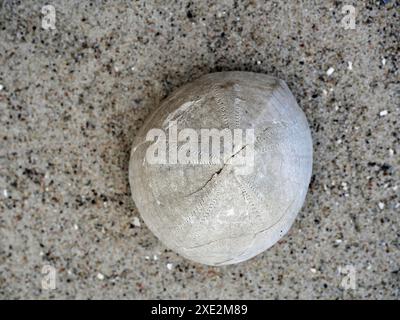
72,100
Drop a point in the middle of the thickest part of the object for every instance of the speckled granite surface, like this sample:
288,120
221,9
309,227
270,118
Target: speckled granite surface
72,100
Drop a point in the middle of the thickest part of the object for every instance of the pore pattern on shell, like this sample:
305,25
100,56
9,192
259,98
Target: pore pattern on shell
209,213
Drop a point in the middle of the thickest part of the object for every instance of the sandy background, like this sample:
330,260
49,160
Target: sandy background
72,100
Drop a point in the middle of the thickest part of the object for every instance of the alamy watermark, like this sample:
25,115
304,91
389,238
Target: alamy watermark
49,19
349,277
349,20
202,147
49,277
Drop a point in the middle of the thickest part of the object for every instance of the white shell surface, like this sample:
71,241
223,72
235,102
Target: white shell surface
209,213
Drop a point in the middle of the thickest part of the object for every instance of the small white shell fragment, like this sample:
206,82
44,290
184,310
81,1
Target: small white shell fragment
1,87
195,217
383,113
136,222
330,71
350,65
383,61
381,205
100,276
169,266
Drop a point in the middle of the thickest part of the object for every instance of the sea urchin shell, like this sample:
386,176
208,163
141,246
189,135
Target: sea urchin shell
209,211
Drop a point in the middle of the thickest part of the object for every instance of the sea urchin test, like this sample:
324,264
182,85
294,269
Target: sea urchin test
221,168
